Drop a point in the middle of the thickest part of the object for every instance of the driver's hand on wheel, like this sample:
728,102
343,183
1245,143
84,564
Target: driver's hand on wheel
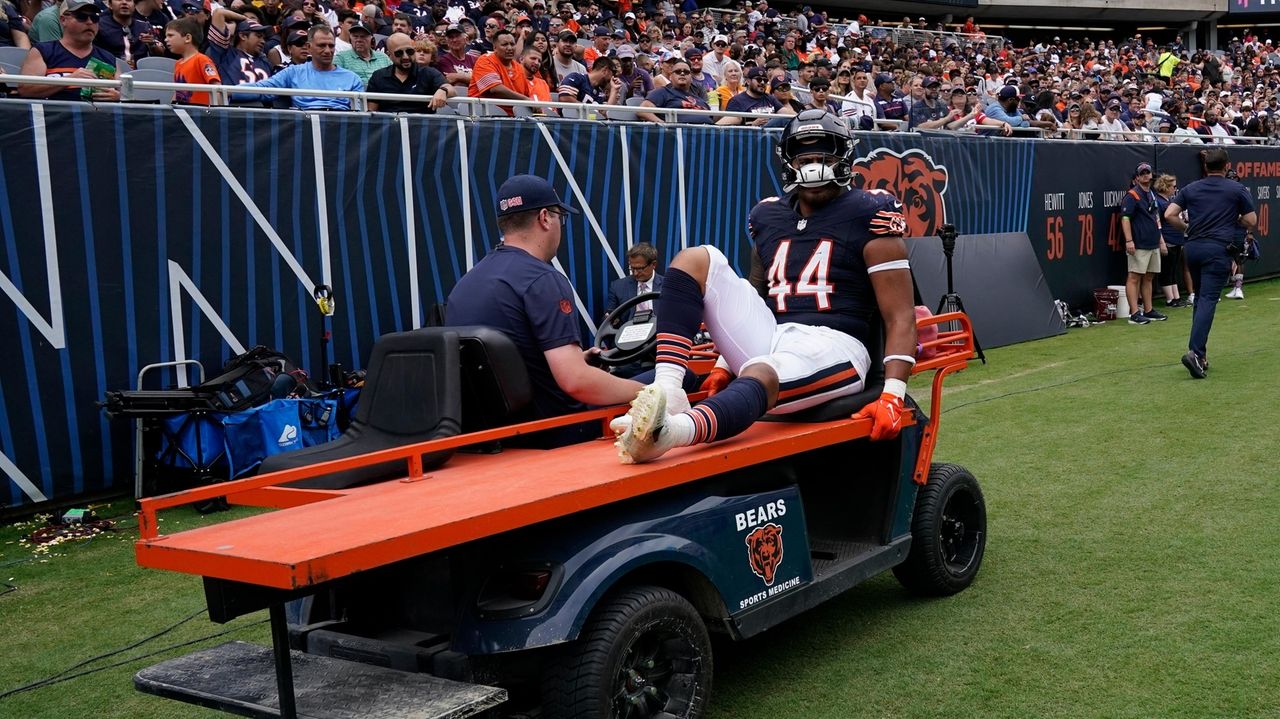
886,414
716,381
592,356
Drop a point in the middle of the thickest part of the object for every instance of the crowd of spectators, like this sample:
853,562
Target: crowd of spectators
877,74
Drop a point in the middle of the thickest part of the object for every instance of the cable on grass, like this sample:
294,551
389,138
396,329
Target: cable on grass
56,679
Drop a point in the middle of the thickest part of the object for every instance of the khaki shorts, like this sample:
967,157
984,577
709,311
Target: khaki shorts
1143,262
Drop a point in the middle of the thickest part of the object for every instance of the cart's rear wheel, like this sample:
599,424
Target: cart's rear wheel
644,653
948,533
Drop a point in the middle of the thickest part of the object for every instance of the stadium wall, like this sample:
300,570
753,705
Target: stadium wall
135,235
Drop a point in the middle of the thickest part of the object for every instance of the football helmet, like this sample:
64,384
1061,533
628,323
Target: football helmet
816,133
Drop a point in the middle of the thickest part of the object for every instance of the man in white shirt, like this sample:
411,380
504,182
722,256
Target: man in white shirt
1111,126
861,103
713,64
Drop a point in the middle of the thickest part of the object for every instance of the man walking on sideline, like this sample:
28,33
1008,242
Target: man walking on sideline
1216,207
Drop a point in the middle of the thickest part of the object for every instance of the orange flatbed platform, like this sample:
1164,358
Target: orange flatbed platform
321,535
470,497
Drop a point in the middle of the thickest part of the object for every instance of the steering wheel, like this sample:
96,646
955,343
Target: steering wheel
621,342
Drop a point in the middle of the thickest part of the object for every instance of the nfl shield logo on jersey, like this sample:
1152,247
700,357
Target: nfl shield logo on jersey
800,225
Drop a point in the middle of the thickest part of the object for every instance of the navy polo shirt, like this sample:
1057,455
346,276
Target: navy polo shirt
1214,206
1141,208
530,302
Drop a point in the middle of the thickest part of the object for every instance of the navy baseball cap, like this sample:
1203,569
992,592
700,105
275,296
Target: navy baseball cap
1141,168
1007,92
527,192
882,78
250,26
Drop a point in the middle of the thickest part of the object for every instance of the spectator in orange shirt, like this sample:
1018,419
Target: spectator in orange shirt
539,88
498,75
566,16
194,67
599,46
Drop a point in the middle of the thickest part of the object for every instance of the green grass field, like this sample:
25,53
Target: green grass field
1132,568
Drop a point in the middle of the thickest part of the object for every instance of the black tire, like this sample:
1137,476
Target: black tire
948,534
644,652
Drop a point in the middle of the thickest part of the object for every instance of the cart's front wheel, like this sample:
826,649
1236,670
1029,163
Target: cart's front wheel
644,653
948,533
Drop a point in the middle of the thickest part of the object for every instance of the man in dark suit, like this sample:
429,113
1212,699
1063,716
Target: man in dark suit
643,278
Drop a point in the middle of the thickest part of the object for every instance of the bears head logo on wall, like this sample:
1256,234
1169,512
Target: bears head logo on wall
764,551
914,179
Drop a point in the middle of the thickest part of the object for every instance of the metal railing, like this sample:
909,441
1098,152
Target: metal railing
473,107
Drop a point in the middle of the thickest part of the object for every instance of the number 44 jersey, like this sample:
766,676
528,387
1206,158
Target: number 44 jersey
814,268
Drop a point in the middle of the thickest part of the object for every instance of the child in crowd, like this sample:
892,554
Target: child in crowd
194,67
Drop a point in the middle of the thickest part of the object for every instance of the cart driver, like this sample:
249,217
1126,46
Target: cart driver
515,289
827,258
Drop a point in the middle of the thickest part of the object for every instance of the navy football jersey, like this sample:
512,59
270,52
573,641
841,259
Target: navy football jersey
813,266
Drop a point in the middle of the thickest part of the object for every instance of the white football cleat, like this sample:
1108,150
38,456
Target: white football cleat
639,432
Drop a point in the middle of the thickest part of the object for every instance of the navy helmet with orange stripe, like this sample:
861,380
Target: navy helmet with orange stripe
824,142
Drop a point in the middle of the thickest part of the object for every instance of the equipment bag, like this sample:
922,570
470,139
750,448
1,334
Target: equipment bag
247,379
281,425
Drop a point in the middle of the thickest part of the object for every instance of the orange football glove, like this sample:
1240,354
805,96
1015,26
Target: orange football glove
887,416
716,381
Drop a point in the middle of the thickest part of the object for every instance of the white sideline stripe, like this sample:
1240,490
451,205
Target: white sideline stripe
322,204
582,309
582,200
180,280
249,204
8,467
53,330
465,175
684,221
626,184
411,232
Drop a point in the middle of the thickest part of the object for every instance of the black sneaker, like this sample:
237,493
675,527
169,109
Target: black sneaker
1155,315
1137,318
1180,302
1194,364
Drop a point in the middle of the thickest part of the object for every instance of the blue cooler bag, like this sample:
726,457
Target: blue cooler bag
281,425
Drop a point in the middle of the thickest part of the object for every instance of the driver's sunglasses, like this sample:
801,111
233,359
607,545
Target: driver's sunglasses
637,270
86,16
404,52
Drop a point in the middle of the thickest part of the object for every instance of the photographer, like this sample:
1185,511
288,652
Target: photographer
1218,207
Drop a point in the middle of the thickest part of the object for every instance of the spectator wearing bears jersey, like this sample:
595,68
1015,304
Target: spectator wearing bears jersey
598,86
244,61
826,261
194,67
68,55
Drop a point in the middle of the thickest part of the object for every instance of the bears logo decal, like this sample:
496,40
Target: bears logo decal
764,551
914,179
